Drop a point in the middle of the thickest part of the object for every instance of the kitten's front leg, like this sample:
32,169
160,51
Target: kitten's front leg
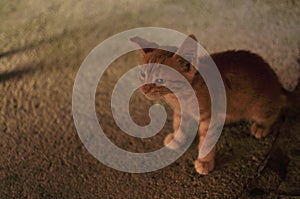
176,124
206,164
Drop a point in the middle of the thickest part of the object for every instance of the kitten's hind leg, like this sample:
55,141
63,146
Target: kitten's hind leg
262,125
258,130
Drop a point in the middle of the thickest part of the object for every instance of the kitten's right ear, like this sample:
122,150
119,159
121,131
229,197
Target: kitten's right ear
188,50
144,44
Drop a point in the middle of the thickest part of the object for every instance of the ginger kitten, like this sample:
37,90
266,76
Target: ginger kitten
252,89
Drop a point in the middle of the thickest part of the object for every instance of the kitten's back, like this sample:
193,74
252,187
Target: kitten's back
250,84
245,70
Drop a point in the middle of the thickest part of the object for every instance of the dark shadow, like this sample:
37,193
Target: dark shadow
32,45
15,73
278,162
257,192
65,33
298,85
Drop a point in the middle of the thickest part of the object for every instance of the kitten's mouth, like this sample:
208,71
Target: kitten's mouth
152,96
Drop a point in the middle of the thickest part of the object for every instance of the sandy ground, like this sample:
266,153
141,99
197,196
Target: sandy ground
42,45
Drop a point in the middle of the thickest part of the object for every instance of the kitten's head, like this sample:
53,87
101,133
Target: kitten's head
156,76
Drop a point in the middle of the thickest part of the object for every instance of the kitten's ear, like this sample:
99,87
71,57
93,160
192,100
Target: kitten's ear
144,44
188,50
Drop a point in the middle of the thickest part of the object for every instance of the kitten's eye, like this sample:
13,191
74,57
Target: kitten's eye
143,73
160,81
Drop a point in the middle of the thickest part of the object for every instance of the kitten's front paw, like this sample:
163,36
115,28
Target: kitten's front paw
258,131
203,167
168,142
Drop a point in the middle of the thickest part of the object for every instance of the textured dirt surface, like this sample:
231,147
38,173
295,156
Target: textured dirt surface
42,45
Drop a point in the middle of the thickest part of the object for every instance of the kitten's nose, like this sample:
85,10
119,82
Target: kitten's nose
147,88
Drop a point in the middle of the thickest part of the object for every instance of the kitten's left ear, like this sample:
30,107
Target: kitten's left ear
144,44
188,50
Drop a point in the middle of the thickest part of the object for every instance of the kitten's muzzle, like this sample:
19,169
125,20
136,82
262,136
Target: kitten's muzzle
147,88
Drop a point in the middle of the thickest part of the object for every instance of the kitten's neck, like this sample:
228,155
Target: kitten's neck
198,82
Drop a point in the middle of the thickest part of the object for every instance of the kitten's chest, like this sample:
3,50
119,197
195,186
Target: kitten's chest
171,99
188,106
